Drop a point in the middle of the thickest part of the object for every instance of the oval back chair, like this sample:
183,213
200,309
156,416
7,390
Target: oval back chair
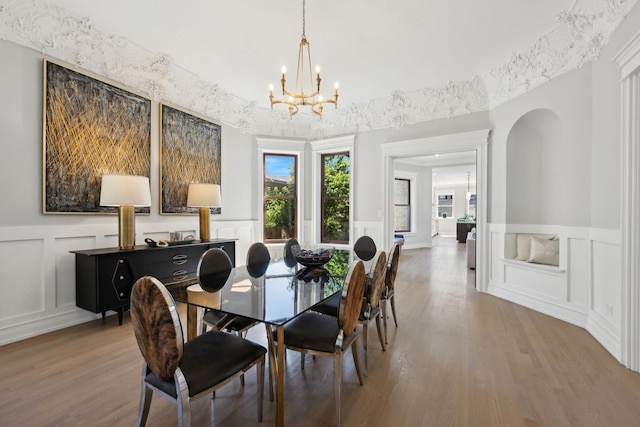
389,287
179,372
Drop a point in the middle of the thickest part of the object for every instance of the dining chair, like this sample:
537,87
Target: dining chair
370,306
389,288
184,372
365,249
287,253
257,262
328,336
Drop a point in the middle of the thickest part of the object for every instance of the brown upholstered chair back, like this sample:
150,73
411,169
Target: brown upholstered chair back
351,297
376,280
156,325
392,268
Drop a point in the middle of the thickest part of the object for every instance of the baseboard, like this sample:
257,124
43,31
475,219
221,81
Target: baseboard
43,325
567,313
605,333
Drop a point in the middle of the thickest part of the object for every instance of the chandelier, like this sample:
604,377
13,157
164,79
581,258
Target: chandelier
304,93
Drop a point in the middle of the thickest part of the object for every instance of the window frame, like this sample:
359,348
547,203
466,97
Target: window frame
294,147
332,145
323,196
408,205
265,197
452,205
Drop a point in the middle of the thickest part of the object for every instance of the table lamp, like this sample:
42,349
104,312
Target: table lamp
126,192
204,196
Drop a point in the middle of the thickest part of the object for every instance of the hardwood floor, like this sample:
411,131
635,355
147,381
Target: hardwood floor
458,358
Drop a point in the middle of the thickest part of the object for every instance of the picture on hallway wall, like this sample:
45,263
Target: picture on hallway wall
190,153
90,128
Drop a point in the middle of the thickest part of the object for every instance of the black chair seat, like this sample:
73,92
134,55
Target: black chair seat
372,314
314,331
181,371
210,359
329,306
238,323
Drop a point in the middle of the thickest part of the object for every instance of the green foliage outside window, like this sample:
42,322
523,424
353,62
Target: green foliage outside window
335,197
279,198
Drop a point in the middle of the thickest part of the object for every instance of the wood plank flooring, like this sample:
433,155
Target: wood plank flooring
458,358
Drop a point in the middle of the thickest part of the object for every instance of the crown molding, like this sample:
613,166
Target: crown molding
577,38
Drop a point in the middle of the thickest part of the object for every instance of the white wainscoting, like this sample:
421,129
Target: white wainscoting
38,271
373,229
585,289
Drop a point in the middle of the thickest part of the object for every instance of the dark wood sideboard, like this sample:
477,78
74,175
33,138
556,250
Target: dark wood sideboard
104,277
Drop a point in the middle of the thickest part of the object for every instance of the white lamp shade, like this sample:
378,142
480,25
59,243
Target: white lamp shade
120,190
204,195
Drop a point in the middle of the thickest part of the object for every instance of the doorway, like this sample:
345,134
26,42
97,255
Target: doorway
475,141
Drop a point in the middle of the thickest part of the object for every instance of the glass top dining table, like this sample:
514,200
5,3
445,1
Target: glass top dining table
272,294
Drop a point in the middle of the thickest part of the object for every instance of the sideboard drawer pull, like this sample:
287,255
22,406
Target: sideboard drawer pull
180,261
179,256
179,272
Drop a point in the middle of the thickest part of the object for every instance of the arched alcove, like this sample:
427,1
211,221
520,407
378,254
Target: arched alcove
534,169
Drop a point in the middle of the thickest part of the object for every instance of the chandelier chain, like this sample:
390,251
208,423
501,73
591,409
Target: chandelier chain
304,2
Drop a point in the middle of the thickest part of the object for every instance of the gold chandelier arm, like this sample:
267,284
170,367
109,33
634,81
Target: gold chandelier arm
298,96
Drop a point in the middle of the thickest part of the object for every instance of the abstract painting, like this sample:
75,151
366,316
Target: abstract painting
190,153
90,128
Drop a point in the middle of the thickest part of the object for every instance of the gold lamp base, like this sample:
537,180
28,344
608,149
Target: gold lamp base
126,227
205,223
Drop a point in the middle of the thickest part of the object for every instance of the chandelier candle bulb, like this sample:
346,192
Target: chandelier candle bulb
300,96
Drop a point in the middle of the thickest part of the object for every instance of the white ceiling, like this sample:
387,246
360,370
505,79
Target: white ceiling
372,47
448,169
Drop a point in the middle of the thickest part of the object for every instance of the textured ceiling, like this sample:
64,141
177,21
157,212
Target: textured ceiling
398,63
371,47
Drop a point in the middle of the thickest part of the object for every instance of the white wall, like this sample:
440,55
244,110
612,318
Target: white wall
38,270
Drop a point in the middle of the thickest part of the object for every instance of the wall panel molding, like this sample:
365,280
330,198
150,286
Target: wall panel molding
40,288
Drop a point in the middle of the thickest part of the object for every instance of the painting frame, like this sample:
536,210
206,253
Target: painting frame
190,152
90,128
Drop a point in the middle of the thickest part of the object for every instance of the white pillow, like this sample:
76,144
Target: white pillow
523,244
544,251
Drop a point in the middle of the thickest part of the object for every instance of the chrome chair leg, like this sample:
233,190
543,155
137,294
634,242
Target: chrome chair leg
356,359
379,328
393,310
365,345
337,383
145,403
383,307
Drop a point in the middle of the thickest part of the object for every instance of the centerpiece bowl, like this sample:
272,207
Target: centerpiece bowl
315,257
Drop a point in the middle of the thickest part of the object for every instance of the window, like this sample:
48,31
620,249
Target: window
472,205
445,205
280,197
402,204
334,197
